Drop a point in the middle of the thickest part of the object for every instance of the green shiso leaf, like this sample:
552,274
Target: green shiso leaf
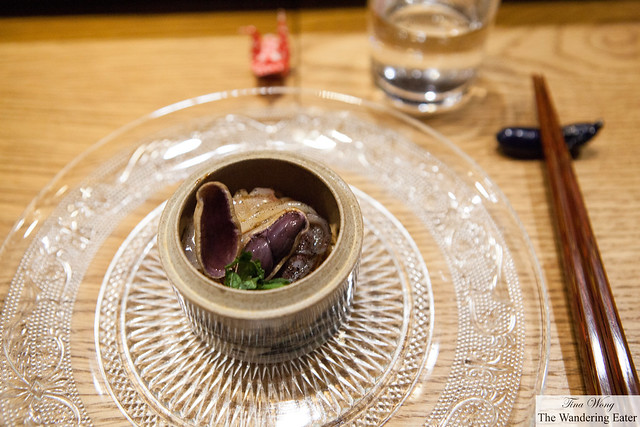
246,273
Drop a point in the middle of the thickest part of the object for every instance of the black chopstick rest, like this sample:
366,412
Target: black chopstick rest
524,142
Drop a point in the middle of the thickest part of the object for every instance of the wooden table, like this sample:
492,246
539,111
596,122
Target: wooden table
65,82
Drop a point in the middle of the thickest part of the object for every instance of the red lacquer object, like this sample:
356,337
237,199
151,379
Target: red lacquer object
270,52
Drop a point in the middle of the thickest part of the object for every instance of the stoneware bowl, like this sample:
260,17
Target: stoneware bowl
267,326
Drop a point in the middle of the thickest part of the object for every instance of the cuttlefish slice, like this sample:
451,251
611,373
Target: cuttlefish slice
217,229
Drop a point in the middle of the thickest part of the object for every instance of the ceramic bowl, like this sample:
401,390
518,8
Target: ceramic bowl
267,326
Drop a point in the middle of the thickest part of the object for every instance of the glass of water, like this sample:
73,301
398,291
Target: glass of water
426,53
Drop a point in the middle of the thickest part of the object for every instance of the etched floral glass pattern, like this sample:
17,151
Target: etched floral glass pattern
449,320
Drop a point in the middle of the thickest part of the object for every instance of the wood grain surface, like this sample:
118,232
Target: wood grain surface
604,354
66,82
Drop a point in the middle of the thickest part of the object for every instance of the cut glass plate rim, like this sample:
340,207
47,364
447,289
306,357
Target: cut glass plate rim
353,101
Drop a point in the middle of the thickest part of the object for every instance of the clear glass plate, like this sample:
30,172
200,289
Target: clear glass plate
450,319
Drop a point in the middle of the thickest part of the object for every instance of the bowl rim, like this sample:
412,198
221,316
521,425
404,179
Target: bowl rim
217,298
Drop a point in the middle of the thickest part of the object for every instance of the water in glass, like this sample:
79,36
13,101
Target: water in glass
425,55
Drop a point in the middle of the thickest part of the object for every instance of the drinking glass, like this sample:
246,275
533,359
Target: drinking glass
425,54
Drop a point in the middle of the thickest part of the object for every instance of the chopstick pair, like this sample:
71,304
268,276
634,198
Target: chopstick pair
606,360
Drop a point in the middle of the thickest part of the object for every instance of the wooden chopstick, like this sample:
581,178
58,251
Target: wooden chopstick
606,360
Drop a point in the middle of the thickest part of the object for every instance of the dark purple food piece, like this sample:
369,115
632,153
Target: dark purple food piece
271,245
217,231
311,250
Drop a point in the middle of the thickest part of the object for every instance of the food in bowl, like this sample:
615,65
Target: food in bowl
255,239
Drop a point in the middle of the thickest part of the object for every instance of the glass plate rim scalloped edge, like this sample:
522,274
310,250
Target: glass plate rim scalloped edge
334,96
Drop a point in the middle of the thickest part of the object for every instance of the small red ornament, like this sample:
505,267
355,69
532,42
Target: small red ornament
270,52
